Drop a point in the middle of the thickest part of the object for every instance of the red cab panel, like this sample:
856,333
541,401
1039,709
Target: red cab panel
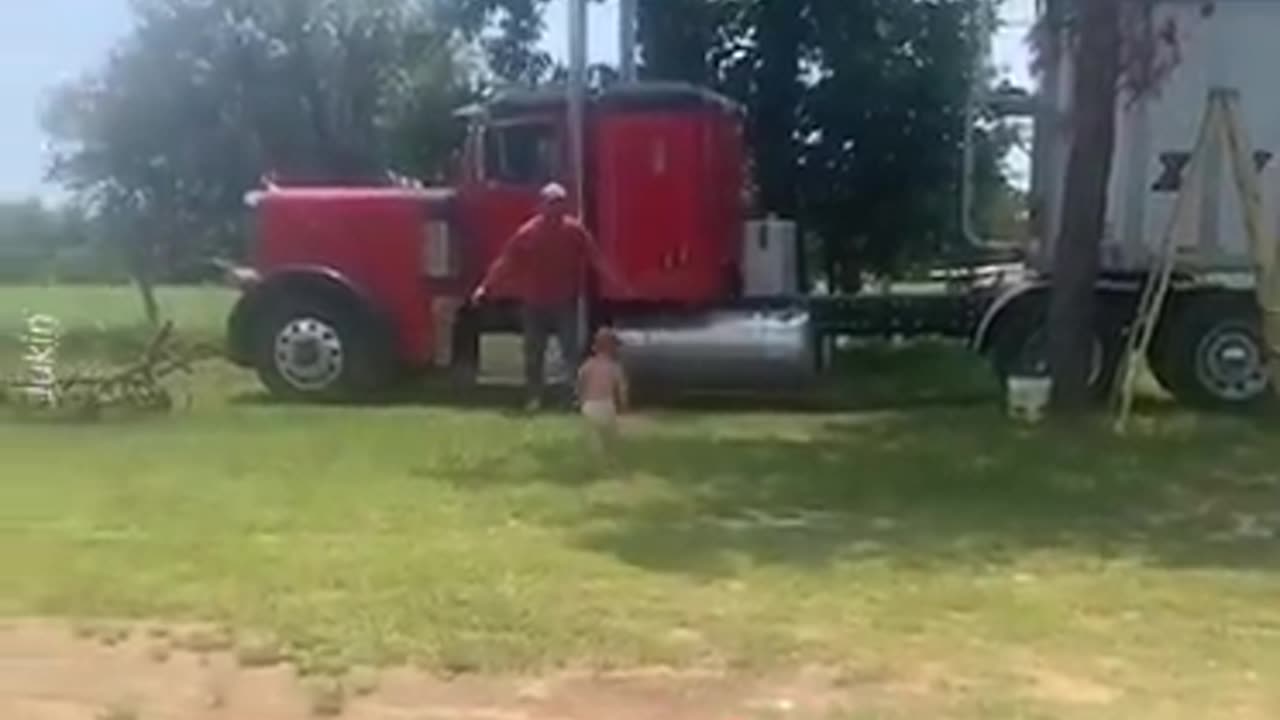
490,215
667,203
374,238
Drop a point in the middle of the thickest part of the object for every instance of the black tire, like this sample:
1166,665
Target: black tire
1020,346
316,350
1210,353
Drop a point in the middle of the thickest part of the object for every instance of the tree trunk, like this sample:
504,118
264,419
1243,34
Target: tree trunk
676,38
144,277
147,289
778,96
1076,255
782,32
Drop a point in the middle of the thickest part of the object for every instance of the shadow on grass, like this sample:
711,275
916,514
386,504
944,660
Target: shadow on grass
871,378
507,399
922,472
944,488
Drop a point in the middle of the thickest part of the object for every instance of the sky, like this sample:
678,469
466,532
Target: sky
45,42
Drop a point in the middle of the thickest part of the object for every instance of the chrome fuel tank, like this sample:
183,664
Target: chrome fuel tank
721,349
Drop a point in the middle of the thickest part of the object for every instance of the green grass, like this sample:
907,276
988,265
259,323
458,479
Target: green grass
108,321
90,308
939,558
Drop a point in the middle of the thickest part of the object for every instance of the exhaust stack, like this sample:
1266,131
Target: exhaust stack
577,91
627,40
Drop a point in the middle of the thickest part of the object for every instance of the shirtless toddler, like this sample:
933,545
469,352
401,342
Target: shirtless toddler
602,390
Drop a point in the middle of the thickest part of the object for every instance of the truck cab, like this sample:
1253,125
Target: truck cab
662,189
351,286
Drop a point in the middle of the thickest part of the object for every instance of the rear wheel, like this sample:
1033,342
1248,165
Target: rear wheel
1021,348
1210,353
316,350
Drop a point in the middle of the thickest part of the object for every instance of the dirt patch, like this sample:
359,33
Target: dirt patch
1061,688
54,671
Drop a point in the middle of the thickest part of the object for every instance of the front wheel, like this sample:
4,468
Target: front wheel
310,350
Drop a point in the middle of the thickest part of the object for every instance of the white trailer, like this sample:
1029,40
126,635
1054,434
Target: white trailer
1208,348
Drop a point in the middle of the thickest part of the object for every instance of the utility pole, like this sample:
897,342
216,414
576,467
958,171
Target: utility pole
577,99
576,125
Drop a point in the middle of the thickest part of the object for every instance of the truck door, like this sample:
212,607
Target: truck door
518,157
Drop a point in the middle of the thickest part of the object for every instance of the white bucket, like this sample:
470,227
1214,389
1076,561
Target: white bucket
1028,398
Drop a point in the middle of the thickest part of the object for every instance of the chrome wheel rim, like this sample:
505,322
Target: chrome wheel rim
1230,365
309,354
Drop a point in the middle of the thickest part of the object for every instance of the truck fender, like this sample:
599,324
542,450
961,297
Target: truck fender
300,281
1011,299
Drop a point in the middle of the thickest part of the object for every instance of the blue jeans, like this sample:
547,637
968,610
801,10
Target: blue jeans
539,324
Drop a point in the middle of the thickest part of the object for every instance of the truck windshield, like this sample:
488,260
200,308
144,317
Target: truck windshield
522,154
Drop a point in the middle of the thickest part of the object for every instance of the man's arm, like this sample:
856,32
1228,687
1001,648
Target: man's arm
502,266
600,263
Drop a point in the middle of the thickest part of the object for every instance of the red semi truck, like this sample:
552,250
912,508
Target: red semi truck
353,287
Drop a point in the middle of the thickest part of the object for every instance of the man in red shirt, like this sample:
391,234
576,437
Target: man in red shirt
544,265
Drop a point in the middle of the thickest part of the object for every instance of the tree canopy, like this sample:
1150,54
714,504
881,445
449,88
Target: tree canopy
857,111
856,107
204,97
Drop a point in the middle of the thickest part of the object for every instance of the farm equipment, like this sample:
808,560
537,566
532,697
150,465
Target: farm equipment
352,286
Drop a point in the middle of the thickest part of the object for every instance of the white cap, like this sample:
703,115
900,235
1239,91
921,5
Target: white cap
553,191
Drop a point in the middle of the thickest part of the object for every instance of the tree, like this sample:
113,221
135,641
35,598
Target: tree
856,112
1116,48
206,96
685,38
31,236
1071,311
781,26
507,31
885,124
